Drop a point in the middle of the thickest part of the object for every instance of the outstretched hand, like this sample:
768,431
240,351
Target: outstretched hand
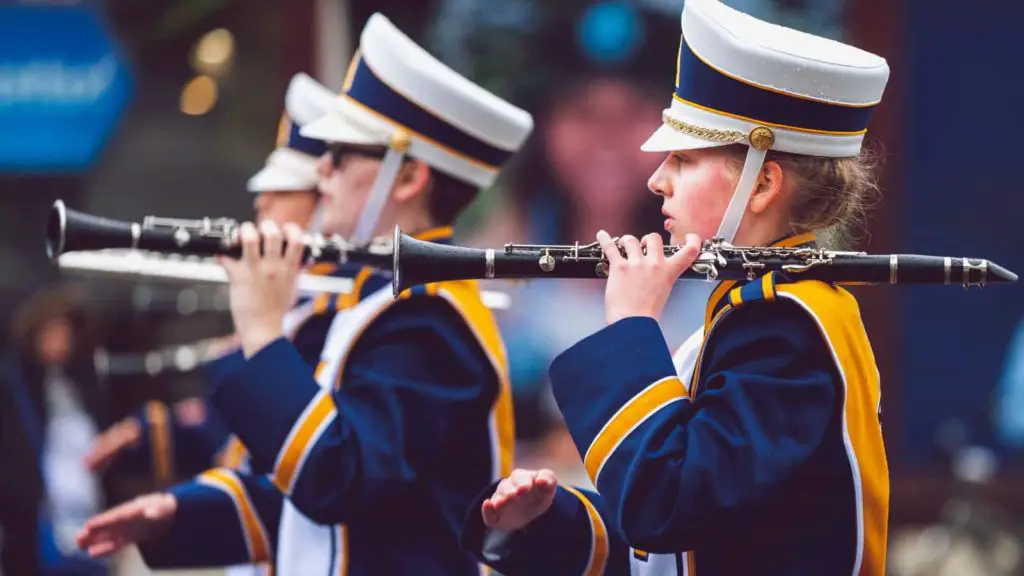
640,282
137,520
519,499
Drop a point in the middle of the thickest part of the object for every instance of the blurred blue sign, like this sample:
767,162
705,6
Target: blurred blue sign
63,86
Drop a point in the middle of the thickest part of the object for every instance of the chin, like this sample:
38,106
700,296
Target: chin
329,228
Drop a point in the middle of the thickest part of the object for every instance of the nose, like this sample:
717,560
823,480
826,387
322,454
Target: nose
659,182
324,166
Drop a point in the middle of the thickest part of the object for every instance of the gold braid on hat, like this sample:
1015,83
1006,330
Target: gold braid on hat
713,134
761,137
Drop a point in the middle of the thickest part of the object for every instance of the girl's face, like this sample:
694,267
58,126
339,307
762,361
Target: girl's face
696,186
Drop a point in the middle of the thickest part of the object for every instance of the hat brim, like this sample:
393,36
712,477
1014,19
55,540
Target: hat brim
668,139
273,179
334,127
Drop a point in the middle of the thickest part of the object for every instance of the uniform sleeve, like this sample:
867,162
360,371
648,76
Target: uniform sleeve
573,537
344,453
169,447
217,369
223,518
667,467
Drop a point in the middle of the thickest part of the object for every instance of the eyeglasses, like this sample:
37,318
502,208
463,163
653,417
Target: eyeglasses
339,151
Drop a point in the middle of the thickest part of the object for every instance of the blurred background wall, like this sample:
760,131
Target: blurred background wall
165,107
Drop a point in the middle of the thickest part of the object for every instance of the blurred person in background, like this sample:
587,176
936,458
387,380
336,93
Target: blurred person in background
51,406
190,436
602,67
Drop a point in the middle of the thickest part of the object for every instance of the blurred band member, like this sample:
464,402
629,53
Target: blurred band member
51,406
373,456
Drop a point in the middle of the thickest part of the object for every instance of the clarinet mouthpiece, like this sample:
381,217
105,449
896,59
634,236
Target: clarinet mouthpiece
998,274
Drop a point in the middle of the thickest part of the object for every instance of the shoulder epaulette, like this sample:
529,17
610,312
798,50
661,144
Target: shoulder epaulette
762,288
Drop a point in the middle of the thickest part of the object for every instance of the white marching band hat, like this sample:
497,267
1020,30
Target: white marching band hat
740,80
399,96
292,165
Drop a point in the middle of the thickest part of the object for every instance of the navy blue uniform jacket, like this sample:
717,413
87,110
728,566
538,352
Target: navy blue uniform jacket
170,447
418,423
769,461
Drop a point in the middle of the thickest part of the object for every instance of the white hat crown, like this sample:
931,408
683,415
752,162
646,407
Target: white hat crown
735,73
306,99
396,89
292,165
740,80
398,95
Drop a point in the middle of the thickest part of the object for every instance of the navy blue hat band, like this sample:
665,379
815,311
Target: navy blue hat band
369,90
300,143
700,84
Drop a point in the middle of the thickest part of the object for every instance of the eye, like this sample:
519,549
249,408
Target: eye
680,157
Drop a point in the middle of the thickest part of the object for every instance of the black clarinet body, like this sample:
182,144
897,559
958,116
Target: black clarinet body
71,231
417,262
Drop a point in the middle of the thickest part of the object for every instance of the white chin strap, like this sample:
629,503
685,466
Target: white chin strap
741,196
381,190
692,319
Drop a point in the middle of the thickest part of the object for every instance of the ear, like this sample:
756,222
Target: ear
412,181
769,187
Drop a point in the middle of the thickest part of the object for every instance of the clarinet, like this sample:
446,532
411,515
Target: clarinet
417,262
70,230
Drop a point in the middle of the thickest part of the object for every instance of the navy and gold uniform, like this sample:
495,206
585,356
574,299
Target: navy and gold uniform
170,448
418,421
186,448
376,452
774,442
760,453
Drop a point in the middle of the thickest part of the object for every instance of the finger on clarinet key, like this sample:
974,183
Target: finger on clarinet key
685,253
609,247
653,246
250,240
294,245
272,239
632,246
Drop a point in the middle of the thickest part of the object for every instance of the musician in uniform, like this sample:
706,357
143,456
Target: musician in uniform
759,451
408,414
190,437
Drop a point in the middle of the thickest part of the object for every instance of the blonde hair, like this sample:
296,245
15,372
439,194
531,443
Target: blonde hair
833,195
